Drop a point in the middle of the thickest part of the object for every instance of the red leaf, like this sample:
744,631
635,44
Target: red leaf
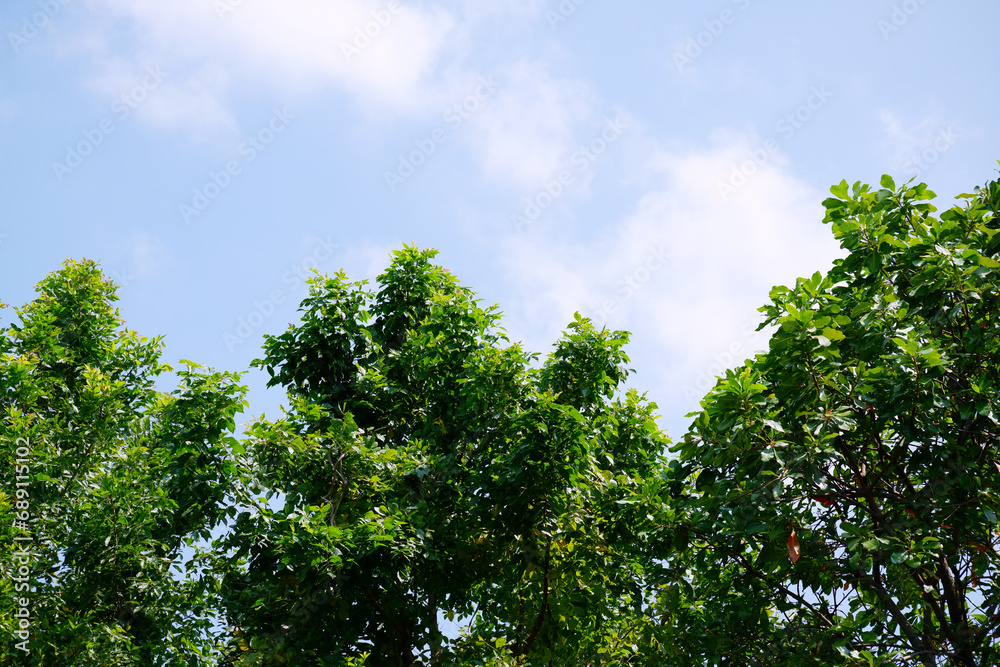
793,547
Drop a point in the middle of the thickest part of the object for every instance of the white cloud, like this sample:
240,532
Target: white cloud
724,256
903,138
148,255
478,10
296,45
143,255
192,104
163,96
414,60
529,130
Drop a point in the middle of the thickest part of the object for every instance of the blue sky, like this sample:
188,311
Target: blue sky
656,166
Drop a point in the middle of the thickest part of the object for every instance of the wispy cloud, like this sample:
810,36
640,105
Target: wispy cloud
684,265
533,125
389,57
376,54
902,137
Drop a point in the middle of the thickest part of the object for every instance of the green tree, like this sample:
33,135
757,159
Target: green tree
122,478
837,496
427,468
833,503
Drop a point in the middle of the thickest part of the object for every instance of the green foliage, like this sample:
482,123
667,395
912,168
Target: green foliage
122,477
868,432
428,471
834,502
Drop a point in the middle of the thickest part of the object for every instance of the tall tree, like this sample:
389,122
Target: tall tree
840,493
833,503
120,478
428,469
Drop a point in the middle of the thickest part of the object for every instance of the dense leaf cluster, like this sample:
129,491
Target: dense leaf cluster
868,431
123,476
434,494
436,473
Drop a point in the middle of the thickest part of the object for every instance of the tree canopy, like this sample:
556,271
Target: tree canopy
840,502
434,494
122,477
430,471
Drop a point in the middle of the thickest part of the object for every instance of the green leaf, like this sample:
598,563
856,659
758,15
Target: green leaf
833,334
988,262
840,191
